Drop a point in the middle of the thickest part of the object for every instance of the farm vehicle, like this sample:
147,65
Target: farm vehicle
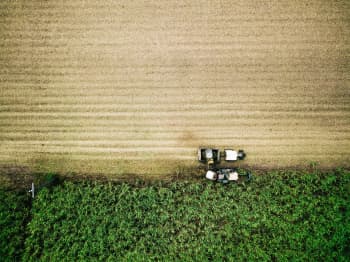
212,157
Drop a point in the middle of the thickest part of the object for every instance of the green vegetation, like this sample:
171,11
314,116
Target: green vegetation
14,213
280,215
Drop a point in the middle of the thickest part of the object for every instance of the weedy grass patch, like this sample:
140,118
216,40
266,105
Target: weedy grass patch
280,215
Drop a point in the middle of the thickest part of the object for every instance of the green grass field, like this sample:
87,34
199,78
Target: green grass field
14,213
278,216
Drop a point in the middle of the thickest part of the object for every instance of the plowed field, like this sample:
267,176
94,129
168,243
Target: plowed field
137,86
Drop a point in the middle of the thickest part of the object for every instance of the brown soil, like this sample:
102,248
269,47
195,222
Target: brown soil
135,87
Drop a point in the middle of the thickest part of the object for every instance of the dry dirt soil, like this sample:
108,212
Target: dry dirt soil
137,86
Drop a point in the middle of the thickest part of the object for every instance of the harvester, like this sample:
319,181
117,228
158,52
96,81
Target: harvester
226,175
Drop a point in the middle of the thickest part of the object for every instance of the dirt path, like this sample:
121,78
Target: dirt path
137,87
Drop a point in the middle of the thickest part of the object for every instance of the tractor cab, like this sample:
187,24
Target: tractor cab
232,155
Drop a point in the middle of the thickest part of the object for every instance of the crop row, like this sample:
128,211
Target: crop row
280,215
